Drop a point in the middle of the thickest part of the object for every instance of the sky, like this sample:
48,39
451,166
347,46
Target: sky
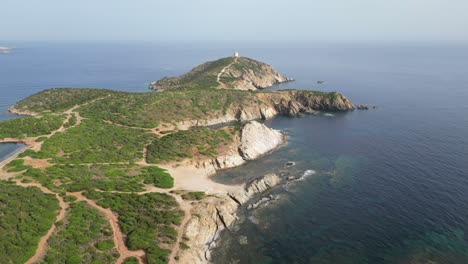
235,21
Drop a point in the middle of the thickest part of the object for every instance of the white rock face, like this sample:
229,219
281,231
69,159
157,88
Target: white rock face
257,139
258,186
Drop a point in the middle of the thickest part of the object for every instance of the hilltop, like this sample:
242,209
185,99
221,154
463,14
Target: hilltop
238,73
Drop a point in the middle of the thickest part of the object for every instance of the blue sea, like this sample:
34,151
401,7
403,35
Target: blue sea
390,184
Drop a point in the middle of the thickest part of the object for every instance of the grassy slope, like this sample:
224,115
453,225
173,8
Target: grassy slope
202,76
205,75
186,144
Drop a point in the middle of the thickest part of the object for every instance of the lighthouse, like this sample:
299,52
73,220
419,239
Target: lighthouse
236,54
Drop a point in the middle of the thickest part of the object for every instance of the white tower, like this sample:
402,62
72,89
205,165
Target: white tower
236,54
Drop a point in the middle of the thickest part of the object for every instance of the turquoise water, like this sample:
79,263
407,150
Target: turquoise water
390,185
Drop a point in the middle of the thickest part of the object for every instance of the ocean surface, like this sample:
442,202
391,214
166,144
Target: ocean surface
388,185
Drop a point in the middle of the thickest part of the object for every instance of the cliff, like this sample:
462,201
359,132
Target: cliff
228,73
266,105
216,214
252,141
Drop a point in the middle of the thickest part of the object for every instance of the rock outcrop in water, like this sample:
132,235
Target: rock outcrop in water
238,73
257,186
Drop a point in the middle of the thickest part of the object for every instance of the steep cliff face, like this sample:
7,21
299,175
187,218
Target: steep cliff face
294,102
215,214
228,73
257,139
270,104
253,140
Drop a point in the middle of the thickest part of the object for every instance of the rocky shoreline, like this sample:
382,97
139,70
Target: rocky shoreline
218,211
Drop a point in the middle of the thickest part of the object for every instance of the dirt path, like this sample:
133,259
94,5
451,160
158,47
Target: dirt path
187,208
42,246
218,78
118,236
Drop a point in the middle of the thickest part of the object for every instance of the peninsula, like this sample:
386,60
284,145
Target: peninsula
117,177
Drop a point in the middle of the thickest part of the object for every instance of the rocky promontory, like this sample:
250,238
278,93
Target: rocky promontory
238,73
266,105
217,214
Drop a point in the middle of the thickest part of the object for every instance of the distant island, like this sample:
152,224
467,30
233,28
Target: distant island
118,177
5,50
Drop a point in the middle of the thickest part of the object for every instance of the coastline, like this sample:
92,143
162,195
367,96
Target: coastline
15,111
7,159
219,210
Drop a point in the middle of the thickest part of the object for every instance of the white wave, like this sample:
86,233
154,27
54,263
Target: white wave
306,174
328,114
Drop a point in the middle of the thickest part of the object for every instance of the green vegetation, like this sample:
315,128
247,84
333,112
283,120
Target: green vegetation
94,142
148,110
186,144
202,76
246,64
131,260
30,126
26,214
116,177
147,220
85,237
183,246
193,196
157,177
205,75
71,122
61,99
17,165
324,95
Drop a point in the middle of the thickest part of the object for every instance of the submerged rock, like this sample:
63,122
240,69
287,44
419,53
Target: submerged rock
362,107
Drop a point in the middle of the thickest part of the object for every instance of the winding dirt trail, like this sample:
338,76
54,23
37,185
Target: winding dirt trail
187,208
218,78
42,246
118,236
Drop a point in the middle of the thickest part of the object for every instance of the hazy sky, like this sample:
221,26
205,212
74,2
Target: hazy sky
241,20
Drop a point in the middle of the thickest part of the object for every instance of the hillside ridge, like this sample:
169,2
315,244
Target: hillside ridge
239,73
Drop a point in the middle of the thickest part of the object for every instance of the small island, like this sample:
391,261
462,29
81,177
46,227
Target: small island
117,177
5,50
